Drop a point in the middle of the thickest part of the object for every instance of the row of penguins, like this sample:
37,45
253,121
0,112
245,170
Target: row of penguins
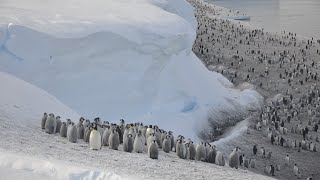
134,137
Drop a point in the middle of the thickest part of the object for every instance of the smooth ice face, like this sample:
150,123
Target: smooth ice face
116,59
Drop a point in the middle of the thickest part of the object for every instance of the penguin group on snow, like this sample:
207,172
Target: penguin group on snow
133,138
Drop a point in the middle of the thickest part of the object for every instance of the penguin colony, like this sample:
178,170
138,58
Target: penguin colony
133,138
281,64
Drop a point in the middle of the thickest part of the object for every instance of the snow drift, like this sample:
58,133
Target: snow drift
116,59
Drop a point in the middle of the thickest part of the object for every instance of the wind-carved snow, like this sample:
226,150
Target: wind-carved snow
116,59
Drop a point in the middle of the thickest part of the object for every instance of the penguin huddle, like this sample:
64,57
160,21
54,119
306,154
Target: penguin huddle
133,138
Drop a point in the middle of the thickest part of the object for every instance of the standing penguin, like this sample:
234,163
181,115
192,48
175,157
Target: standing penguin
180,149
58,124
128,144
51,124
139,143
95,139
72,133
105,136
63,130
234,159
166,144
252,163
191,151
287,160
246,163
269,155
43,120
87,132
86,123
208,147
263,152
163,137
150,139
153,150
150,131
295,170
212,155
114,140
80,132
255,149
172,139
200,152
219,159
80,122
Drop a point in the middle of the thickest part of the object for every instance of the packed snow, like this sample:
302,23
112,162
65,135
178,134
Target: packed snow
116,59
27,152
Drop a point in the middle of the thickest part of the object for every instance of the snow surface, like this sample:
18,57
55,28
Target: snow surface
26,152
116,59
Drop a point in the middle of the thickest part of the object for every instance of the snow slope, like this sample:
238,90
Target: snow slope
26,152
116,59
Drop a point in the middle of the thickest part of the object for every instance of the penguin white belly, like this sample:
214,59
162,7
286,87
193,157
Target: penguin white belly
95,140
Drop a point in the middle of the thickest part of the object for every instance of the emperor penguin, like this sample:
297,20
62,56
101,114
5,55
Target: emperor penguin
150,131
172,139
295,170
118,130
86,123
287,160
126,131
132,132
105,136
180,149
158,136
234,159
163,137
208,147
144,131
219,159
150,139
97,120
311,145
95,139
72,133
166,144
191,153
200,152
51,124
63,130
139,143
68,122
128,144
299,174
252,163
267,170
43,120
87,132
263,152
58,124
246,163
153,150
80,122
80,131
114,140
212,154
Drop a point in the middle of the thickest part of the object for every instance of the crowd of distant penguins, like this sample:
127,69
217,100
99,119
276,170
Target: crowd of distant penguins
276,118
276,63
